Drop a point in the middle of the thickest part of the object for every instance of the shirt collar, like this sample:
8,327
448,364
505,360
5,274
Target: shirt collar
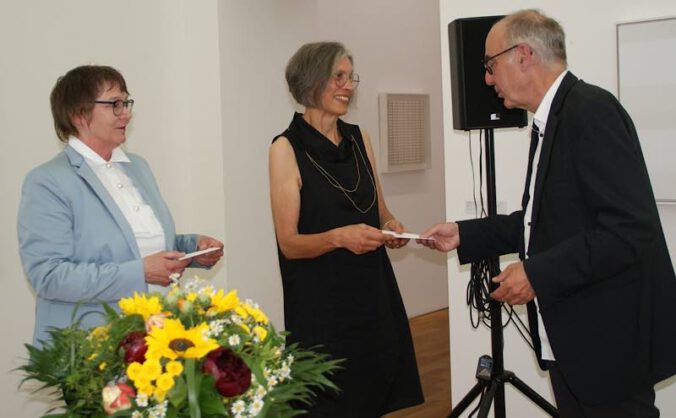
118,156
542,113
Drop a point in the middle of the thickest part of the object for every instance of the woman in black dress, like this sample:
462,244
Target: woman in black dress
339,287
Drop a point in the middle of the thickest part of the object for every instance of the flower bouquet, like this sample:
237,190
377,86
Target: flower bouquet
195,352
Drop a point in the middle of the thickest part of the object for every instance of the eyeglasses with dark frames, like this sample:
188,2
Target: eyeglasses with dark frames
341,78
118,105
489,62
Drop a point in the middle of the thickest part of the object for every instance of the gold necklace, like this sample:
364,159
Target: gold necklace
336,184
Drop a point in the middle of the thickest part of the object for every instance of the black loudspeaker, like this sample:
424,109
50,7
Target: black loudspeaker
475,104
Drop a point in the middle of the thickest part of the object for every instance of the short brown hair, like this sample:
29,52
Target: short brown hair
310,68
74,94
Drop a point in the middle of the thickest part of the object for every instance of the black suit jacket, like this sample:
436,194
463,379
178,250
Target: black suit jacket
598,260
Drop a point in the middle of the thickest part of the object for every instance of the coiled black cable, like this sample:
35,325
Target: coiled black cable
478,288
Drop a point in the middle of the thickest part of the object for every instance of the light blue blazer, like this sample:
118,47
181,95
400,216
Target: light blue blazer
77,247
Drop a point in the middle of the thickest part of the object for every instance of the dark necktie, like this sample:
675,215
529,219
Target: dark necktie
534,138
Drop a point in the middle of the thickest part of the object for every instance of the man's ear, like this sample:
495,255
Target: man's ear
526,55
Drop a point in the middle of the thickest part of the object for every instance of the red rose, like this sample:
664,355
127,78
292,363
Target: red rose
134,345
232,376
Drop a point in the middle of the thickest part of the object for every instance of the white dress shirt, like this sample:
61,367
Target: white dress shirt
141,217
540,120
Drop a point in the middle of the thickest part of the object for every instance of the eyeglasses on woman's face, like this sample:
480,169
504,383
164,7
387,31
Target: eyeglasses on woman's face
341,78
118,105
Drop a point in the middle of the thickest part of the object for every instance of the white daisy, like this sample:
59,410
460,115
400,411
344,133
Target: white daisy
142,400
234,340
238,407
256,406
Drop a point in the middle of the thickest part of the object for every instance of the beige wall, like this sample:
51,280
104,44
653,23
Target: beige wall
590,30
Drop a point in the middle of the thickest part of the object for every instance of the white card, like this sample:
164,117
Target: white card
200,252
406,235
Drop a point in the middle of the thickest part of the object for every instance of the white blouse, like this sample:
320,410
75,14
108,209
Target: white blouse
140,215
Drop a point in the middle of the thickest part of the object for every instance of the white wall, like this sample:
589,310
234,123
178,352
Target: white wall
168,54
256,39
590,30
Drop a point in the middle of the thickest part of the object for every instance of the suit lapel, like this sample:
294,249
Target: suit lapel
85,172
567,83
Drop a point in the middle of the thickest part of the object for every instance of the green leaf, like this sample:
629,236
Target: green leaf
211,402
178,394
192,379
171,412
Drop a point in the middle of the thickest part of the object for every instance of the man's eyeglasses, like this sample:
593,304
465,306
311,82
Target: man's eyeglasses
341,79
118,105
489,62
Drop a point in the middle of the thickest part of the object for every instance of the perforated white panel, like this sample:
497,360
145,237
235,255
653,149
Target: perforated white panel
404,132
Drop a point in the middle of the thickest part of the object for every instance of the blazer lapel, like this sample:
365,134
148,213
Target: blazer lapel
86,173
567,83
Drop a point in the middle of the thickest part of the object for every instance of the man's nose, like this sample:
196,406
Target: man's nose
488,78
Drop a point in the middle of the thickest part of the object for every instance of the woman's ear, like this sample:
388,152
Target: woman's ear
78,120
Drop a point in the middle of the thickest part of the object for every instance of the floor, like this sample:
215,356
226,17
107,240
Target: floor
430,337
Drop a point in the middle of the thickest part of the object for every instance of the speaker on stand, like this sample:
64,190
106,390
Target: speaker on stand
476,106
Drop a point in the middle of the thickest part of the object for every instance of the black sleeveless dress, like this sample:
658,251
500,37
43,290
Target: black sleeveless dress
350,304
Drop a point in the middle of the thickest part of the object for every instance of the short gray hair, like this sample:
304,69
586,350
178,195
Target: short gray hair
542,33
310,68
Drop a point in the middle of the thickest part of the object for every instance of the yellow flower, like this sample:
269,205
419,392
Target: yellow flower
134,371
260,332
165,382
257,314
242,312
142,305
160,394
151,369
99,333
103,366
245,327
174,341
147,389
174,368
222,303
191,297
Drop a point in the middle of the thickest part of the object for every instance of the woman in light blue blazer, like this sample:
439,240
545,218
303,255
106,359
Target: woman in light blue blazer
92,224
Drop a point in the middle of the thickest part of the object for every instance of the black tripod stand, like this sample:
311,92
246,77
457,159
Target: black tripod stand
491,380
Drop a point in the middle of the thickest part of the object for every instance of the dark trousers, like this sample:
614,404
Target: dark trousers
639,405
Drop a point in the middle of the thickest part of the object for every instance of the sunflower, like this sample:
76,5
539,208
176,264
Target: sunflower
257,314
142,305
174,341
222,303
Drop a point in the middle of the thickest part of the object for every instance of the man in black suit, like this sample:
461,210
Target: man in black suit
595,271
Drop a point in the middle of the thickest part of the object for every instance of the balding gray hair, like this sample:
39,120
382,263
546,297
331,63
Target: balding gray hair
542,33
